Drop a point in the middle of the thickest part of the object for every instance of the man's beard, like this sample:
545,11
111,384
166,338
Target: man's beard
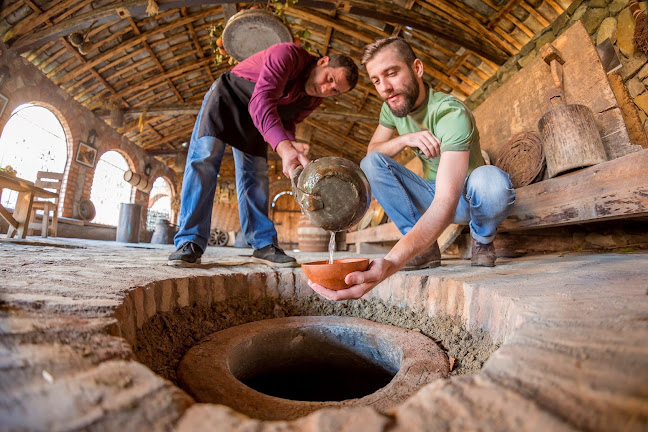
410,94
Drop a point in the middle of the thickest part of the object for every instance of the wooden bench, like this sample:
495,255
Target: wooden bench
611,190
19,220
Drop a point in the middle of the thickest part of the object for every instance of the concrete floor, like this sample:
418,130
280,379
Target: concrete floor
573,331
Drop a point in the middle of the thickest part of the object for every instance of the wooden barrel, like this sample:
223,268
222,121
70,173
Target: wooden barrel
311,238
570,139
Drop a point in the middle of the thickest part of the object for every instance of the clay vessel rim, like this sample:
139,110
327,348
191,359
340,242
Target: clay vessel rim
337,261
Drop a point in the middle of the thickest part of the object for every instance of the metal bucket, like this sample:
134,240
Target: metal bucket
128,228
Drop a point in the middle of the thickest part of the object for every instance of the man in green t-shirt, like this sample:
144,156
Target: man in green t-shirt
457,186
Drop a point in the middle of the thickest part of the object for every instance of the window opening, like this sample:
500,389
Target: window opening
160,203
32,140
109,189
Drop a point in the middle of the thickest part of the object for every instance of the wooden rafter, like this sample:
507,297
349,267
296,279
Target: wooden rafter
155,59
390,13
161,64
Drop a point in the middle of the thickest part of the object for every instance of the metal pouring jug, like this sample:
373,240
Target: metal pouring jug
332,192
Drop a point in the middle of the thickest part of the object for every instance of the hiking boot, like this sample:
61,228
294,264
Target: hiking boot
429,258
274,256
483,255
187,255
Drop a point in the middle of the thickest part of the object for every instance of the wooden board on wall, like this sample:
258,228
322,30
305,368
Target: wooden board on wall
518,104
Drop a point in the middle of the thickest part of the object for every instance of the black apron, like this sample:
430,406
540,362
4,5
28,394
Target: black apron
227,118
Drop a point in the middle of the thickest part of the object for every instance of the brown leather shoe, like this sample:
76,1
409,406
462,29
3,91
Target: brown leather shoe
429,258
483,255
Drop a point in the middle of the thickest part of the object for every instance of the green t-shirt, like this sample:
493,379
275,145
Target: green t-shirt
448,119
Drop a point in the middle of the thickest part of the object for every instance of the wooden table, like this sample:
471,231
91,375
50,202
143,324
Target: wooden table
19,221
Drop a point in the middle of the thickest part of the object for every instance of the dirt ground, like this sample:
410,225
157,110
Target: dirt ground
163,340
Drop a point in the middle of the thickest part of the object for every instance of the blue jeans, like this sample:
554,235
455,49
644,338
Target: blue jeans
199,186
486,200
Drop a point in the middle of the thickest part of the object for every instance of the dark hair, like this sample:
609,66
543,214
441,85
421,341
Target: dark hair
400,46
340,60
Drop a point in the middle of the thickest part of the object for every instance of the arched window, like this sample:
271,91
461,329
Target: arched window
109,189
32,140
159,203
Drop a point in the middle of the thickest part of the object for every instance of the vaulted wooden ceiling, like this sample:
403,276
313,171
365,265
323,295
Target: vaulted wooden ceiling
156,69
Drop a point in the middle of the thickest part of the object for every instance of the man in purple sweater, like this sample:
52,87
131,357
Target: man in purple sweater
255,104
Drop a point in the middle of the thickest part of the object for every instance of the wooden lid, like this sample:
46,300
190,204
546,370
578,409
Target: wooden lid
251,31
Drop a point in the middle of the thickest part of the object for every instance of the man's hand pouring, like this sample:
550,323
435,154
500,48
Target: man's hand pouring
292,154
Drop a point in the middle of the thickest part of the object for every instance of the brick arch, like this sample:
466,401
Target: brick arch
159,173
103,149
33,96
279,186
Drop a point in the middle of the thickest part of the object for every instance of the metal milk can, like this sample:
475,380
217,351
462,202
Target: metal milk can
332,192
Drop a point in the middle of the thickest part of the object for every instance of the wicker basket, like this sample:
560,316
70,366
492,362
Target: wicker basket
522,158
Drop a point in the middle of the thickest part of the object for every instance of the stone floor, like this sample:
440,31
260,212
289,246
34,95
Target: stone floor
573,331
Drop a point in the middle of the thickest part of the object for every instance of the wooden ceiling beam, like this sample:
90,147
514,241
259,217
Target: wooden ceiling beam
43,65
535,14
326,21
7,10
196,42
27,25
501,12
327,40
133,127
527,31
155,59
124,46
148,89
334,134
429,24
75,53
469,24
162,77
399,27
555,6
114,12
94,73
184,134
34,54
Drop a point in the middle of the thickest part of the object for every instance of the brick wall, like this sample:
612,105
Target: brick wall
26,84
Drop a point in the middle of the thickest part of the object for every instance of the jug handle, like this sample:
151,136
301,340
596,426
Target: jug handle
556,97
307,201
295,176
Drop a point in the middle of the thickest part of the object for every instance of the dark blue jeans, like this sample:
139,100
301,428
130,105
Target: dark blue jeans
199,186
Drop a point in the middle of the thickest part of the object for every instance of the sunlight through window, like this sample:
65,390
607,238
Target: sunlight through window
32,140
109,189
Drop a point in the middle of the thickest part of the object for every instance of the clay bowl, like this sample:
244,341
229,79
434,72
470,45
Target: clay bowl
332,276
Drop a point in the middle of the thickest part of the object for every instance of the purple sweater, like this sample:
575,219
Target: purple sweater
280,73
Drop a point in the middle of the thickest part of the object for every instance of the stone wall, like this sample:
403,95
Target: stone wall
26,84
603,19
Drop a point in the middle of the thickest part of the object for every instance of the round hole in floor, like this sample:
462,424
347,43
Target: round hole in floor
285,368
317,363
